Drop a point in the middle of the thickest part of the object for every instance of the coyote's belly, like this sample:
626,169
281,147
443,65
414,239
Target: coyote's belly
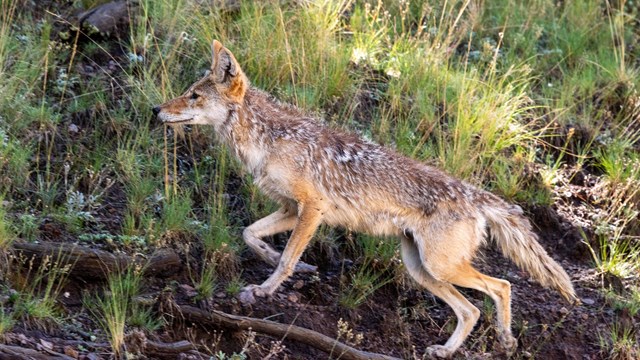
358,215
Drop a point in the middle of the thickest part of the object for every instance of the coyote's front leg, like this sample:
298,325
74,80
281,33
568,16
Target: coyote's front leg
280,221
309,218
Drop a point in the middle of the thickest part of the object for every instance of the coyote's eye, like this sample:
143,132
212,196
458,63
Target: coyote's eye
194,95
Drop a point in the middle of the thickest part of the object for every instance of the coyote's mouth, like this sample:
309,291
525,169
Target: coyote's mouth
172,122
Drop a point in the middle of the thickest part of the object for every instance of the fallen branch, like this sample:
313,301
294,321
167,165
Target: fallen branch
169,348
91,263
17,352
312,338
138,343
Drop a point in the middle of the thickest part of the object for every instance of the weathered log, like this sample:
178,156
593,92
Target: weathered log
88,263
17,352
312,338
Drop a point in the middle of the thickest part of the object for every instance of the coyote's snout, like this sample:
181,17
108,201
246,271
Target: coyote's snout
321,175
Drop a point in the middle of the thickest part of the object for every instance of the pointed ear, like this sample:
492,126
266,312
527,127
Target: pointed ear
226,71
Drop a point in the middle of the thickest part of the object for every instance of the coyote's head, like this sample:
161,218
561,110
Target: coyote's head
210,100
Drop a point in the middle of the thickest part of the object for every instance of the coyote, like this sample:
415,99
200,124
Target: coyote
321,175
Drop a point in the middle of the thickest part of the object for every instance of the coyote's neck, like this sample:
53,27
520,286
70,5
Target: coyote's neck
245,134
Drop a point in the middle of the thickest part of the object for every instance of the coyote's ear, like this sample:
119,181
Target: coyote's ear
226,71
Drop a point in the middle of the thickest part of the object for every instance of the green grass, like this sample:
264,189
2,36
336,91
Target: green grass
35,302
114,310
144,318
361,284
6,322
206,284
7,234
620,343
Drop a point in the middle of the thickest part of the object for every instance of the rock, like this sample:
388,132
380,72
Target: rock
74,129
46,344
293,297
298,284
189,290
70,351
588,301
107,19
564,310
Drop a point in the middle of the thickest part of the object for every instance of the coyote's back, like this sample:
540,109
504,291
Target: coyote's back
321,175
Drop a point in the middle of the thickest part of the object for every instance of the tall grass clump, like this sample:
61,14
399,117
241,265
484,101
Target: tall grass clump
114,308
311,65
6,322
465,114
6,231
7,236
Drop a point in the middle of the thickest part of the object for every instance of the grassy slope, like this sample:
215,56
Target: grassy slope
520,97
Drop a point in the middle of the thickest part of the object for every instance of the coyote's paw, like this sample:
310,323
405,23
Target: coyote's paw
303,267
508,343
438,352
249,293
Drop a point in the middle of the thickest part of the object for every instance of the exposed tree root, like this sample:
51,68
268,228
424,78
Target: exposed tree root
91,263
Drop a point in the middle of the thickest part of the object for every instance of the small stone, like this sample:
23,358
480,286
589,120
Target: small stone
564,310
70,351
74,129
584,316
188,290
293,298
298,284
221,295
46,344
588,301
513,275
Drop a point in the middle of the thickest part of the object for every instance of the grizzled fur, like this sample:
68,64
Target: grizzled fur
321,175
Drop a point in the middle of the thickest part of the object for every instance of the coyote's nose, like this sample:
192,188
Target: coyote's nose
156,110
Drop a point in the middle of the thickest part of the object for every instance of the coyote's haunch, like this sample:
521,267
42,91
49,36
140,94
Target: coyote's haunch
321,175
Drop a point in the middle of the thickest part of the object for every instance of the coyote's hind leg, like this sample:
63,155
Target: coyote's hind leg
466,313
499,290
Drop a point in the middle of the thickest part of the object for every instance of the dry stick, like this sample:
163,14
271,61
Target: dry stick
291,332
166,349
91,263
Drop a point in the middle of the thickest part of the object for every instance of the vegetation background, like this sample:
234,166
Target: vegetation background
534,100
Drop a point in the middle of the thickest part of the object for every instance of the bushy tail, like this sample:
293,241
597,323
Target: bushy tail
513,235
